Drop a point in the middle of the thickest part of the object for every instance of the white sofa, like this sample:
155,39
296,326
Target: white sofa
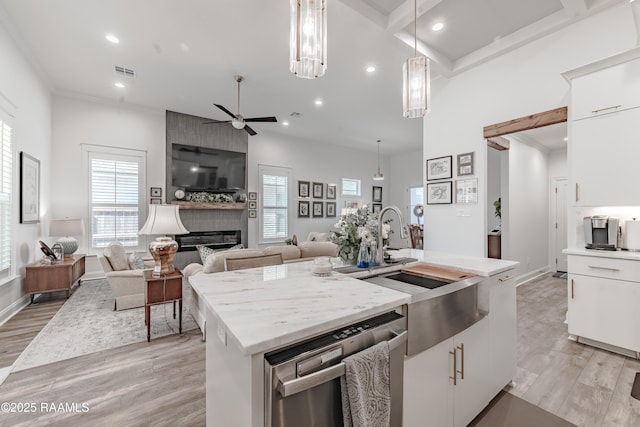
214,263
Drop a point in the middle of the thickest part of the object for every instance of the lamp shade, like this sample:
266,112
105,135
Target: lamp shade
66,227
163,219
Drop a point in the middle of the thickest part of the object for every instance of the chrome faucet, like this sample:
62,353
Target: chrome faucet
403,230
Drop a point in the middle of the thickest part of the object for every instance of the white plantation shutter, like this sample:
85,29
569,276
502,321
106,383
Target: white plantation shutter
350,187
116,198
6,186
275,204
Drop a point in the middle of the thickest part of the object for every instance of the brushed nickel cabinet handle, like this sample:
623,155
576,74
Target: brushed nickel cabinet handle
604,268
615,107
577,192
505,278
455,366
461,371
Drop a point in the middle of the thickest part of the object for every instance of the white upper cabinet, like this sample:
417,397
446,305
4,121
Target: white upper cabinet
606,91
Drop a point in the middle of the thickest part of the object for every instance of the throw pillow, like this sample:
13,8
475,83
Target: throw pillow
117,257
204,252
136,262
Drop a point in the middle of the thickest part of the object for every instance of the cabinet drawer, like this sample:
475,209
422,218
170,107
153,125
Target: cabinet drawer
608,268
606,91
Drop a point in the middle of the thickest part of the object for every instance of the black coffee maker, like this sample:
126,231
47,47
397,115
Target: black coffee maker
601,232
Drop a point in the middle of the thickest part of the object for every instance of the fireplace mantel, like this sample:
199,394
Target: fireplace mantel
202,205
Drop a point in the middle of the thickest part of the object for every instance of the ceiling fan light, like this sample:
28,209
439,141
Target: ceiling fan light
416,87
237,124
308,38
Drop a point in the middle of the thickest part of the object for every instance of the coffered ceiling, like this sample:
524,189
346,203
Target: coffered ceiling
185,54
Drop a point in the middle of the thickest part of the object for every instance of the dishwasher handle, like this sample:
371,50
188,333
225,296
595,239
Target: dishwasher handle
307,382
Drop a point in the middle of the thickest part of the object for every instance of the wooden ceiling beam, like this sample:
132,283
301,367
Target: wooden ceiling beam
546,118
498,142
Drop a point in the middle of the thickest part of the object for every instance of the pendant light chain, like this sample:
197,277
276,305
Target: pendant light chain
415,28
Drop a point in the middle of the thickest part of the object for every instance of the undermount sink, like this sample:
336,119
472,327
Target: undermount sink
444,302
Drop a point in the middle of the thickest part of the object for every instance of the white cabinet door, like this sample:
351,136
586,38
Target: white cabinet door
605,310
604,160
502,331
471,394
613,89
428,390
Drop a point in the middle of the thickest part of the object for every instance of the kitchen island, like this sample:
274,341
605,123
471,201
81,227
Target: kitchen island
252,312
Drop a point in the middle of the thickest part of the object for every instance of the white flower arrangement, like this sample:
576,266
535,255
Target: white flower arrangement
356,227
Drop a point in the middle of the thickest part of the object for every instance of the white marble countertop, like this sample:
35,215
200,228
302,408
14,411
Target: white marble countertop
634,256
484,267
267,308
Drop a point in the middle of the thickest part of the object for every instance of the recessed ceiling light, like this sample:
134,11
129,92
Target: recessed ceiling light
437,26
371,69
318,101
119,85
112,38
285,123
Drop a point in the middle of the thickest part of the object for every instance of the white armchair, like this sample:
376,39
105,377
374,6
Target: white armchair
126,281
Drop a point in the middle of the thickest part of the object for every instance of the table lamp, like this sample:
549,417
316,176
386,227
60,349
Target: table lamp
66,229
163,219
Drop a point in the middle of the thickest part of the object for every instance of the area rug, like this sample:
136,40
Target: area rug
87,323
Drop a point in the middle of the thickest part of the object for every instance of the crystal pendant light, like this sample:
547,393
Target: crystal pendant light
416,85
378,176
308,38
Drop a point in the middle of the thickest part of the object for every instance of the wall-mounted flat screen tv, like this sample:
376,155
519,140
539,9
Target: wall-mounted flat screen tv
207,169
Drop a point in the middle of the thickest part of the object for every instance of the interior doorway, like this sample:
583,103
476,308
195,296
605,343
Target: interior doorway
559,211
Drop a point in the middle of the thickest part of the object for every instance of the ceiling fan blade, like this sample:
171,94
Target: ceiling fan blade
249,130
261,119
225,110
216,121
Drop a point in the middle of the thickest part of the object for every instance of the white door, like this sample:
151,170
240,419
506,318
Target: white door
560,223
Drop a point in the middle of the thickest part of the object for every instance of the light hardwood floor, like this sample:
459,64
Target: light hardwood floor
162,382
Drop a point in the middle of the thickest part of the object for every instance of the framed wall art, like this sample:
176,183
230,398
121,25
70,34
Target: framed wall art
318,209
331,191
253,195
29,189
156,201
377,194
439,168
330,209
467,191
376,207
253,204
303,209
253,213
465,164
303,188
439,193
156,192
318,190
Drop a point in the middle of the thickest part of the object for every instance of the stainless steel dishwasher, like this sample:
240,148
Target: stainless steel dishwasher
302,382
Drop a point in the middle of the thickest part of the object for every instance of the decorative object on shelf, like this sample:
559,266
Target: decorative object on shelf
253,204
155,201
318,189
303,209
58,252
354,227
179,194
439,168
377,194
376,207
467,191
378,176
363,256
416,85
66,229
253,195
418,211
330,209
439,193
46,250
253,213
303,188
308,38
29,189
242,198
156,192
465,164
163,219
331,191
204,197
318,208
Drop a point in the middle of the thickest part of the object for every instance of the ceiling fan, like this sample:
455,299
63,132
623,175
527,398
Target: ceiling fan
237,120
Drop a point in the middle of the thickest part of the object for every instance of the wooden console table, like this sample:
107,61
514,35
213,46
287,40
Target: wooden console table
161,289
41,278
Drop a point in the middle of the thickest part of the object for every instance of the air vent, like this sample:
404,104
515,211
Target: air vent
295,114
126,72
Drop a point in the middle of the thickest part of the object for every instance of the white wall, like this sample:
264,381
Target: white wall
405,170
28,99
314,162
525,81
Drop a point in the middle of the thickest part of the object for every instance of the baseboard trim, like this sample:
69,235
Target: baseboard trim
14,308
527,277
604,346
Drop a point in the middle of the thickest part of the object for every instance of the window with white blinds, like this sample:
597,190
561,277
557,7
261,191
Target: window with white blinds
350,187
116,198
6,187
274,221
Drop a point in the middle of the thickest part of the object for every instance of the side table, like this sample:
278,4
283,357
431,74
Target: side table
162,289
41,278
